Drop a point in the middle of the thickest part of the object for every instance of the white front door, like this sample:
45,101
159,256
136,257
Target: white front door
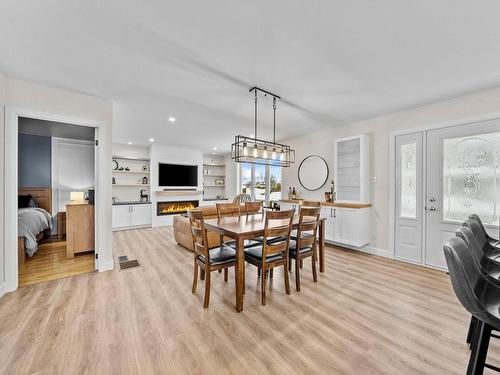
409,197
463,177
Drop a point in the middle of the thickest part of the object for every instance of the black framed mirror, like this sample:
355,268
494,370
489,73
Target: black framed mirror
313,172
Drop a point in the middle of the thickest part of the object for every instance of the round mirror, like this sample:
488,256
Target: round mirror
313,172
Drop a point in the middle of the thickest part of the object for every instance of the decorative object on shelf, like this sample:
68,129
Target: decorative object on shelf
144,196
294,194
328,196
113,181
313,172
115,164
259,151
332,192
144,168
220,196
290,193
145,180
219,182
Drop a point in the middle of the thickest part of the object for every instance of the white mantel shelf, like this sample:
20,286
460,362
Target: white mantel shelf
179,192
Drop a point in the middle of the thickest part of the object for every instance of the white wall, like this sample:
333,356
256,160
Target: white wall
231,178
164,154
483,104
2,209
29,98
131,151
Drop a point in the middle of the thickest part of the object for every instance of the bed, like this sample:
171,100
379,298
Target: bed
34,223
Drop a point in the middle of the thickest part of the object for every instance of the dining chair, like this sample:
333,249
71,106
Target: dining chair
478,296
304,244
219,258
242,197
231,210
253,207
269,255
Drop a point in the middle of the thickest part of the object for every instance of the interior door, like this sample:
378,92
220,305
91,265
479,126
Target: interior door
409,186
462,178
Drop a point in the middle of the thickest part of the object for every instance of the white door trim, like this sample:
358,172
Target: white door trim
12,115
392,165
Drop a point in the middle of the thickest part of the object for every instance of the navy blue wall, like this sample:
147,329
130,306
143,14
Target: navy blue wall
34,161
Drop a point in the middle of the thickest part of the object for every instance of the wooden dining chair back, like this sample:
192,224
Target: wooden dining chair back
277,224
228,209
207,260
199,233
304,244
253,207
308,225
272,252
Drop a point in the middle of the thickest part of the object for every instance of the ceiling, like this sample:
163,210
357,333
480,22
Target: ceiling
333,62
55,129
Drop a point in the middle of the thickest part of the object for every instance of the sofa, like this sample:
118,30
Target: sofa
182,228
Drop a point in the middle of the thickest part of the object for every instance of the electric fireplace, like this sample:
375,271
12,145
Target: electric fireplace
175,207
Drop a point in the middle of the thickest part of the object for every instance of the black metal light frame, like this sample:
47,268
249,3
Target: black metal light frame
259,151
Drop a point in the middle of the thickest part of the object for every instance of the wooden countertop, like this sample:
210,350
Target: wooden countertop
77,203
329,204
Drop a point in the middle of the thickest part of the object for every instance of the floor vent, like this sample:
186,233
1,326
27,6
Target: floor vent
125,263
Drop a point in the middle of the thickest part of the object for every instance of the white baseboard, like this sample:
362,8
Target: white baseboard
2,289
365,249
105,265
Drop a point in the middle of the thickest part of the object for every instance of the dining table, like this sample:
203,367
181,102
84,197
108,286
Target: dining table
247,227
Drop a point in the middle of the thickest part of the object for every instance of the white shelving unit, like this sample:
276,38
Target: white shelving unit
351,169
214,169
127,185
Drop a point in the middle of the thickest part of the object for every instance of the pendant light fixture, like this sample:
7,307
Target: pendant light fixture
258,151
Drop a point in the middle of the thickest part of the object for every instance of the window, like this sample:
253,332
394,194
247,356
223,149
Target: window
262,182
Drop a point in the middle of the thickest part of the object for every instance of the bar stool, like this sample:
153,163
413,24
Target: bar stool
466,279
492,241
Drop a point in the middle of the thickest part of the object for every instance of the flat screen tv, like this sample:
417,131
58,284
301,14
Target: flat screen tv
177,175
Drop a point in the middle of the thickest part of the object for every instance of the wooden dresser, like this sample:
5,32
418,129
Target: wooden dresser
79,228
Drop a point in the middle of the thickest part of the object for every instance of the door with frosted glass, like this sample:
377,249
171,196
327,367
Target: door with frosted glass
408,233
463,177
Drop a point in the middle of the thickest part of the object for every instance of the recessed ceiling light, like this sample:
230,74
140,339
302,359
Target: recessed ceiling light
130,143
151,139
171,119
215,148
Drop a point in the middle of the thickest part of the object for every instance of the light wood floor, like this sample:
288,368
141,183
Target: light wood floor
366,315
50,263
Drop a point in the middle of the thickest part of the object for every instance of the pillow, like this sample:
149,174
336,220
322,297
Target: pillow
33,203
23,201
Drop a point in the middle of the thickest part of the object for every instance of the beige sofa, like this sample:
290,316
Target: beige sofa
182,229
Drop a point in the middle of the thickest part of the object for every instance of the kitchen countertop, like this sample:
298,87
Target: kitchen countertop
124,203
329,204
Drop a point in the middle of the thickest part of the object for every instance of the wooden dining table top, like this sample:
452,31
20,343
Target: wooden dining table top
247,224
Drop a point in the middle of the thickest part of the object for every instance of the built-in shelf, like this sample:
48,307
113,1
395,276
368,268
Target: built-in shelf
131,185
131,172
213,165
130,158
179,192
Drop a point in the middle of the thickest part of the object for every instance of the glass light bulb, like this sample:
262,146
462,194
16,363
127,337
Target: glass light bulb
264,154
282,156
274,154
255,151
245,149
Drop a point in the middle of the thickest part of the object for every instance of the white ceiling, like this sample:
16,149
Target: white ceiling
333,62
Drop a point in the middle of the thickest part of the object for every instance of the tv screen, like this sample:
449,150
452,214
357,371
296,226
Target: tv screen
177,175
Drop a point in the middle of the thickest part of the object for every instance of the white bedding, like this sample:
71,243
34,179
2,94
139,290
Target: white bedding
31,222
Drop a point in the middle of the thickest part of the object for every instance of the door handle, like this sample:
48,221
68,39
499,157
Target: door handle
334,212
432,208
432,199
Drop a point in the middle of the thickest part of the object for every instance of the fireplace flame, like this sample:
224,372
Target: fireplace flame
175,207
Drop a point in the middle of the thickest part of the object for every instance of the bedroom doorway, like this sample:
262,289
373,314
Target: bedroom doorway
56,190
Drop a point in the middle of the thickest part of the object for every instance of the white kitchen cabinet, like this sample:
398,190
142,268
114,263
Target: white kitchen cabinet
285,206
351,169
348,226
131,216
140,215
